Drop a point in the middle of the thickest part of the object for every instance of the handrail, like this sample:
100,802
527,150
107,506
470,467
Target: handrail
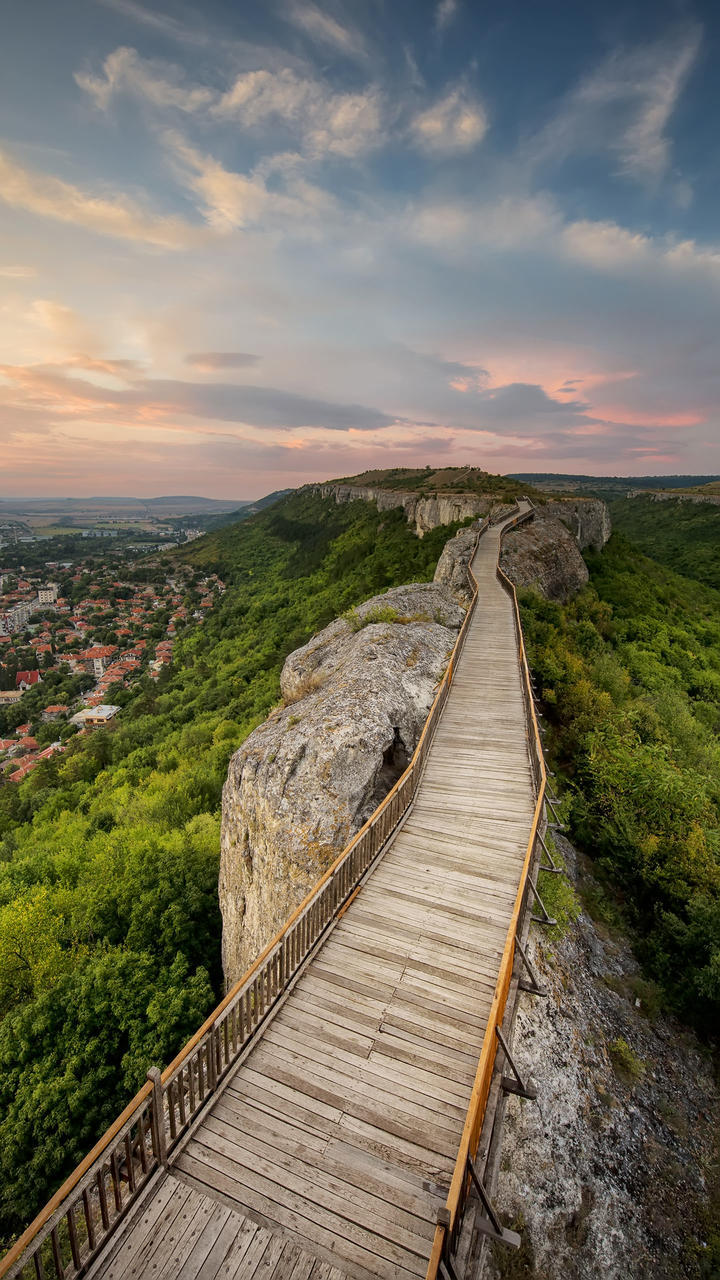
76,1224
447,1231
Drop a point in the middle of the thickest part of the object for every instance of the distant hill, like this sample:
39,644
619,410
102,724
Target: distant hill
247,509
427,480
120,506
606,487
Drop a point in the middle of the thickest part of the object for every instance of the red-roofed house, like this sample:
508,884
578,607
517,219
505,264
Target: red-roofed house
96,659
26,679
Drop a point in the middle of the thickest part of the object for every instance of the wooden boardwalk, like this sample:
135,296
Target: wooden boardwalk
329,1148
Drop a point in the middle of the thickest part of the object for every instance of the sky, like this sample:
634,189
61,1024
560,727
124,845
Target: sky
248,246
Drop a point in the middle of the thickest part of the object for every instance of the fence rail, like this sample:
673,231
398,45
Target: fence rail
447,1231
70,1232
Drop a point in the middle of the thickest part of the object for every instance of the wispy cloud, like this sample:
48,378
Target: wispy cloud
161,84
158,21
236,201
117,215
325,121
458,122
445,14
624,107
325,29
17,272
166,402
209,361
345,124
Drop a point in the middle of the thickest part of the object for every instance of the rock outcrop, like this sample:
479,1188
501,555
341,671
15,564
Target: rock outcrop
452,567
543,554
303,782
668,496
606,1171
588,520
423,513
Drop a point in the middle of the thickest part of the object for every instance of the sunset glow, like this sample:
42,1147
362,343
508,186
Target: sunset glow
244,247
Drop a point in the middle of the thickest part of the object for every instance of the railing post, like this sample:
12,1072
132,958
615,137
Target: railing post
158,1117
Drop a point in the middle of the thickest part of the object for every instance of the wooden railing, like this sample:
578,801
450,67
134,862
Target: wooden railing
73,1228
447,1231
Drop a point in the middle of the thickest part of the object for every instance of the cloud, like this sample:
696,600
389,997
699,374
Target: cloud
445,14
624,107
161,22
327,122
456,123
17,272
124,71
326,29
209,361
344,124
456,227
118,216
237,201
522,402
62,322
164,402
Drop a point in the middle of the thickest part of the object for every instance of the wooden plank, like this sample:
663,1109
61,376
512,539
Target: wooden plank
421,1078
386,1145
199,1215
317,1184
395,1184
382,1108
305,1221
152,1227
421,1084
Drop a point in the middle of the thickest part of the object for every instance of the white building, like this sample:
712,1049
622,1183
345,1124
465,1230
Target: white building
48,594
14,619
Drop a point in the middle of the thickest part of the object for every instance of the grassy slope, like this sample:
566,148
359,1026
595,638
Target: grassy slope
443,480
109,923
685,536
630,678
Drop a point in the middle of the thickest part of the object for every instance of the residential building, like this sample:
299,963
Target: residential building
94,717
26,679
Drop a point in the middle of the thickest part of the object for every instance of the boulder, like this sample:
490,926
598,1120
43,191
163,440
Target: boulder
357,697
543,554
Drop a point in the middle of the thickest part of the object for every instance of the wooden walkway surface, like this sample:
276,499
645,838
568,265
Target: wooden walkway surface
330,1148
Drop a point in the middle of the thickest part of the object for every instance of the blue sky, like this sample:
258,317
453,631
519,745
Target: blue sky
246,246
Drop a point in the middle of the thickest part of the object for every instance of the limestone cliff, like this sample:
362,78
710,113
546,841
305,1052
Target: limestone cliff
422,513
607,1172
543,554
588,520
302,783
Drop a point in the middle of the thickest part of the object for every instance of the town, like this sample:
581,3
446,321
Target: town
74,641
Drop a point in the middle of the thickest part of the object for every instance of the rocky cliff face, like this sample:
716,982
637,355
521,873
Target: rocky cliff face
543,554
423,513
588,520
356,697
607,1171
712,498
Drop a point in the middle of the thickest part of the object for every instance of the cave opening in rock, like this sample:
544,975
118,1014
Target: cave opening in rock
396,759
